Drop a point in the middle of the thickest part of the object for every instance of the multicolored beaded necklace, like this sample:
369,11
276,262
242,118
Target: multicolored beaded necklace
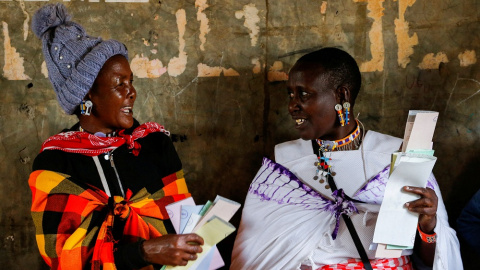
351,142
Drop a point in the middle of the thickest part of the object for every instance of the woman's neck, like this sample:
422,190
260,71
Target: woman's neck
351,141
88,125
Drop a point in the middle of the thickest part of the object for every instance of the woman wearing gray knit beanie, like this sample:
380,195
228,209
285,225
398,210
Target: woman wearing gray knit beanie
99,188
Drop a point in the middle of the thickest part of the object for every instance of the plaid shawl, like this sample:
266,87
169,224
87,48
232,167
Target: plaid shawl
73,222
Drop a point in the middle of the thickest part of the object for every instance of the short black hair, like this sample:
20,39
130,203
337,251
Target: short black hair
340,66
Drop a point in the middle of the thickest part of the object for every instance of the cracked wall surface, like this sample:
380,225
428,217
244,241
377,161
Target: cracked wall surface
214,72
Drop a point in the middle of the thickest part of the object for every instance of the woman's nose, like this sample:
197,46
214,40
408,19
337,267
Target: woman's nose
293,105
132,92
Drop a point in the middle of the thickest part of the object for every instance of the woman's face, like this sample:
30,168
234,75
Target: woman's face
312,103
113,96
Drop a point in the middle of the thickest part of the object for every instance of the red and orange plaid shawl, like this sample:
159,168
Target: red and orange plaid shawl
73,222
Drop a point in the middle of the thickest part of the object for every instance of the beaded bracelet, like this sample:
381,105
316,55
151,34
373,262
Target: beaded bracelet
428,238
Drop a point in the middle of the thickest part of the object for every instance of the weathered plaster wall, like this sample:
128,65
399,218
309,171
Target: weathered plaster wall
213,73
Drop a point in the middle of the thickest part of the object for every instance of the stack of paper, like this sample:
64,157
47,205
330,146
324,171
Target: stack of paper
396,226
210,221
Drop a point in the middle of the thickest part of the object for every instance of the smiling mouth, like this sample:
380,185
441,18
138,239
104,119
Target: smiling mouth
127,110
299,122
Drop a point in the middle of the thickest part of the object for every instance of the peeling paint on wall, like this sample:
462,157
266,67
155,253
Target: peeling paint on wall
201,5
377,48
467,58
257,68
207,71
275,72
323,8
25,22
142,67
177,65
405,42
250,13
431,61
44,69
13,68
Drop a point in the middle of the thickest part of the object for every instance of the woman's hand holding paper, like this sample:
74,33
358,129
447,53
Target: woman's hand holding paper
172,249
426,206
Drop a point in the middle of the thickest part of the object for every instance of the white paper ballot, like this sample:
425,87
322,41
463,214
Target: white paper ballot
174,211
395,224
191,223
187,211
419,130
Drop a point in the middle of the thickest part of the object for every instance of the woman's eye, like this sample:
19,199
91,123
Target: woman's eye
303,94
290,94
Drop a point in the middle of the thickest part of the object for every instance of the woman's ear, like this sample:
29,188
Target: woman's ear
88,96
343,94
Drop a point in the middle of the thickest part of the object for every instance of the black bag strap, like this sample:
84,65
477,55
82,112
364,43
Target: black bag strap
346,218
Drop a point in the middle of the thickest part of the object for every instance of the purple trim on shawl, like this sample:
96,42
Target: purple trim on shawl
380,178
273,177
341,206
276,183
280,170
374,190
432,182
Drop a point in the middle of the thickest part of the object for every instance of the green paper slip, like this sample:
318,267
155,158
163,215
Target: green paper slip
398,247
422,151
205,208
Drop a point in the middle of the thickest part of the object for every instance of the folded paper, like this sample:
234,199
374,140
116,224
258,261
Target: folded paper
395,224
174,211
419,130
212,233
187,211
222,207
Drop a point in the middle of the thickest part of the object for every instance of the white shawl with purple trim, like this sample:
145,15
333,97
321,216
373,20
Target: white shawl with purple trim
286,224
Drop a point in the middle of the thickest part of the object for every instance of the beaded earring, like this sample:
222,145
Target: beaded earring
346,108
86,107
338,108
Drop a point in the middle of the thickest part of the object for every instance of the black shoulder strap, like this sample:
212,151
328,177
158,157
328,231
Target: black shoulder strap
346,218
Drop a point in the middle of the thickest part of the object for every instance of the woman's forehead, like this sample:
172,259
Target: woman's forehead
306,74
115,66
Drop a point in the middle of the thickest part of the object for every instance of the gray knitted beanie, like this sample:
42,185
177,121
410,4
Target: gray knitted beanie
73,58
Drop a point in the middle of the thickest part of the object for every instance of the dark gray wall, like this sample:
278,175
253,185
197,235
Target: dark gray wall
214,72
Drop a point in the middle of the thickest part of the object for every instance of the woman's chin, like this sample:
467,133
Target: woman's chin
306,135
126,123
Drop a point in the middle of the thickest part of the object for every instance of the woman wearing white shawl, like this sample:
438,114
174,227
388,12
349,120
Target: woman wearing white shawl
287,225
